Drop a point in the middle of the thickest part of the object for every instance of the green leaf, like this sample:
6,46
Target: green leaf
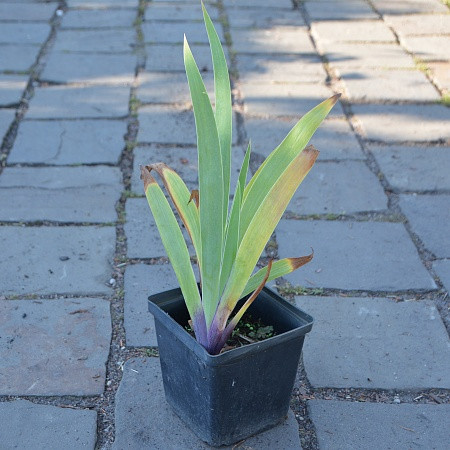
244,169
210,176
173,242
223,113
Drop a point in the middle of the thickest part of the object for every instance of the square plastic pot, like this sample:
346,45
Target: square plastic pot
228,397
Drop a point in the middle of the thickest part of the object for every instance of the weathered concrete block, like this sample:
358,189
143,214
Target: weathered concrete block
442,269
28,425
372,256
258,17
375,343
63,260
428,48
18,58
26,12
11,89
25,33
420,24
112,18
179,12
408,7
342,424
6,118
344,10
54,347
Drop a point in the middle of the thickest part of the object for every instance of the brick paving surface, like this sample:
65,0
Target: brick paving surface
89,90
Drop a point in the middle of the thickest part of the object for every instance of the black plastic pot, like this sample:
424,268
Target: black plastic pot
229,397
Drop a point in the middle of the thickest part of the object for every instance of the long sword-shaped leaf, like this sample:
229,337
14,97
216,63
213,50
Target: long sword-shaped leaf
244,170
210,176
280,158
279,269
180,196
266,217
223,113
176,249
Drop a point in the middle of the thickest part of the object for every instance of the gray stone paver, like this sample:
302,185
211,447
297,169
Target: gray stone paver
90,69
440,72
6,118
326,190
401,123
24,33
258,3
345,10
18,58
353,255
399,426
26,12
68,142
428,48
375,343
442,269
78,194
409,6
64,260
95,41
414,168
429,217
263,18
366,85
28,425
102,4
145,421
333,139
98,18
11,89
420,24
74,102
54,347
179,12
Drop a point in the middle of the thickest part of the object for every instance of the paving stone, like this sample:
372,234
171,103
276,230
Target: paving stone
442,268
96,19
258,3
154,87
334,138
263,18
54,347
420,24
89,69
37,264
24,33
6,118
440,72
283,39
141,281
409,337
182,160
172,32
11,89
74,102
399,123
145,421
326,190
95,41
348,10
336,421
166,124
102,4
280,69
68,142
17,58
428,48
414,168
23,12
346,56
409,6
365,85
179,12
28,425
367,31
372,256
285,99
77,194
429,217
169,58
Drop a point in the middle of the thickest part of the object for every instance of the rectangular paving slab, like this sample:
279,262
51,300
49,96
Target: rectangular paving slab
401,123
372,256
429,217
145,421
375,343
103,4
409,6
74,102
339,423
24,33
96,19
11,89
442,268
326,190
68,142
6,119
25,11
54,347
178,12
345,10
28,425
63,194
18,58
428,48
63,260
258,17
419,24
414,168
89,69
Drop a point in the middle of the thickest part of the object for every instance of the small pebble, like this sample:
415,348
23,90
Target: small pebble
112,281
59,12
397,399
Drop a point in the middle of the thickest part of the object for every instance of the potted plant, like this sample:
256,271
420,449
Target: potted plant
227,396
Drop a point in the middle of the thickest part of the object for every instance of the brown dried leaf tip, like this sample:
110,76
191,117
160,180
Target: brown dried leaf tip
146,177
194,196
